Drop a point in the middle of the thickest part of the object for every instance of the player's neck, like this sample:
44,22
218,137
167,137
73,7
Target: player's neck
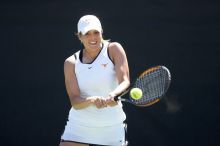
92,53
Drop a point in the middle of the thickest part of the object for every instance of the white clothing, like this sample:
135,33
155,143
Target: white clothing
91,125
108,135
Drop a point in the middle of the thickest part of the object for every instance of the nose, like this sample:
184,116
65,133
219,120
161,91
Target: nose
93,37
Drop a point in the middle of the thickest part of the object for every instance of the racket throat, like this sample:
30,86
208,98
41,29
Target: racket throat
123,99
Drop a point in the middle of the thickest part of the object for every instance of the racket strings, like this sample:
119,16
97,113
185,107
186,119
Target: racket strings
153,85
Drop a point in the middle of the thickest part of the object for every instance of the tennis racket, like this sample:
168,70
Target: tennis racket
154,83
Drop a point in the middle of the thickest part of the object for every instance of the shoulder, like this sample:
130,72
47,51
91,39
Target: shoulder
70,61
116,51
115,48
115,45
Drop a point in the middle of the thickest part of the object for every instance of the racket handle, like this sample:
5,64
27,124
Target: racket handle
117,98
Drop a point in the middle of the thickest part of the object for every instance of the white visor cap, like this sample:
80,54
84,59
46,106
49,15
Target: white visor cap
87,23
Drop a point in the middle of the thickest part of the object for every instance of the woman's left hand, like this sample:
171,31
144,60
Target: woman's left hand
110,100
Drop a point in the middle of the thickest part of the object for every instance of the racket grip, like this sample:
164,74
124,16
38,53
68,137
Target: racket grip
117,98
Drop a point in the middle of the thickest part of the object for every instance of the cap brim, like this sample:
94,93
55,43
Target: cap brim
86,29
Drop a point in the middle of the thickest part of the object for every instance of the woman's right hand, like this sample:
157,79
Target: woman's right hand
99,102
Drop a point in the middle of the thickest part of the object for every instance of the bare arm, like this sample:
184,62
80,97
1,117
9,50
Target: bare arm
73,89
119,58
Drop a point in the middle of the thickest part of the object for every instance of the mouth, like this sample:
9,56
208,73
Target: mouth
93,43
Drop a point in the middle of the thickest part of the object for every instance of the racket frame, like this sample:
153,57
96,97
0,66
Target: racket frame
147,71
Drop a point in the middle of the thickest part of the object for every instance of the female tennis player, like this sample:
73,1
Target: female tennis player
94,75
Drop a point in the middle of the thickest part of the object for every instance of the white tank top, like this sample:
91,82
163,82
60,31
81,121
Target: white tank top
97,79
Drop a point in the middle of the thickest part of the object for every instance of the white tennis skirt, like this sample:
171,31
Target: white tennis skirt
107,135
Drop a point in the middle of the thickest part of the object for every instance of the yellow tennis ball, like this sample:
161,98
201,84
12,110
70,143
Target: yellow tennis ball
136,93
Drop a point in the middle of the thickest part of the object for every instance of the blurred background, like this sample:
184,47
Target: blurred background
37,36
